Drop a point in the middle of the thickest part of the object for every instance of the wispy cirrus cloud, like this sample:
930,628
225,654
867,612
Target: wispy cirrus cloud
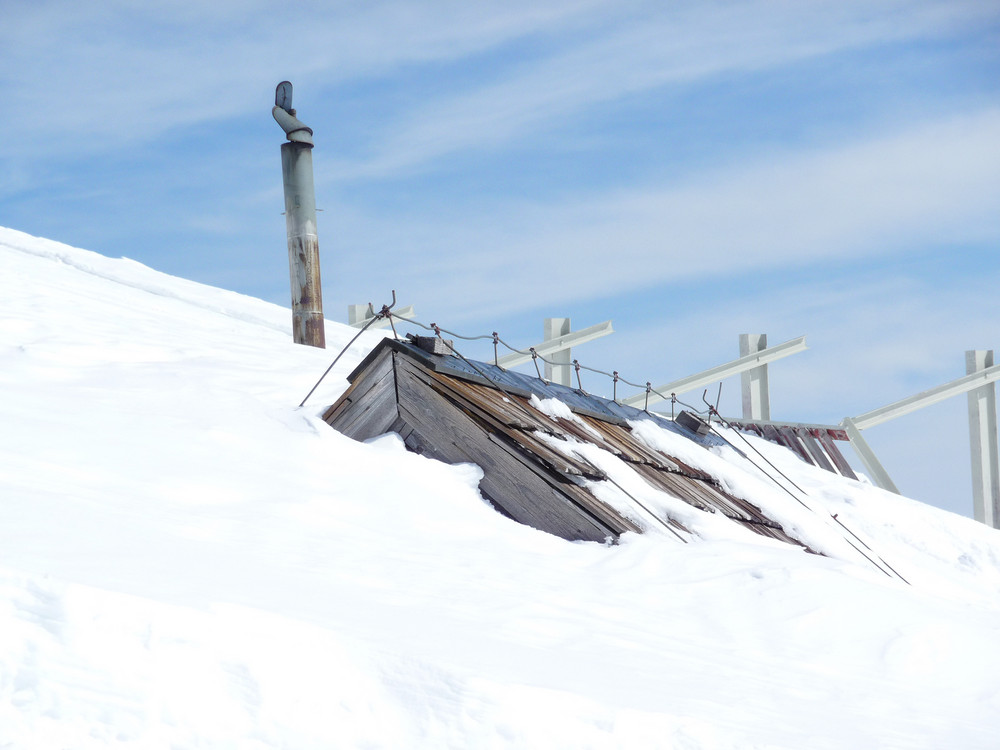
86,75
639,50
937,183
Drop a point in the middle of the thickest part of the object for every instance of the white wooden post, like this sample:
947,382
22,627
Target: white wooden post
357,314
983,442
756,398
876,471
981,373
560,372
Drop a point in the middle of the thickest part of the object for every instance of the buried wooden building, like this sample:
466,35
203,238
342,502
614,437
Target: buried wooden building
458,411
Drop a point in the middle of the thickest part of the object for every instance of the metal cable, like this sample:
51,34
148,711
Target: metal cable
379,316
615,377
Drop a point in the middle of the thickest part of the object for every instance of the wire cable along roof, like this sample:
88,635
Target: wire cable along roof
459,410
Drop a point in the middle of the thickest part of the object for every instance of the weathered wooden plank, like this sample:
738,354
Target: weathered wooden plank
487,403
525,493
634,451
775,532
773,434
464,397
791,440
551,457
836,456
359,385
575,490
660,515
706,497
711,497
627,447
580,431
816,454
675,485
368,407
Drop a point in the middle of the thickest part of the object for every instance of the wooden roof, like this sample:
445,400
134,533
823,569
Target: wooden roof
460,411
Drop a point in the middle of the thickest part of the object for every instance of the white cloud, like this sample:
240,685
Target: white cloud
674,44
935,184
84,76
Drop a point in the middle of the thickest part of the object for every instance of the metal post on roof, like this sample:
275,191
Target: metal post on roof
756,397
300,222
358,315
983,442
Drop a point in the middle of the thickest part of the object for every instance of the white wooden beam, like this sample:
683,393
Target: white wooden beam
876,471
983,442
721,372
547,348
559,372
756,397
928,397
358,315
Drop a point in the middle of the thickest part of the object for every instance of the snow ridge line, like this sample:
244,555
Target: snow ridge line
59,253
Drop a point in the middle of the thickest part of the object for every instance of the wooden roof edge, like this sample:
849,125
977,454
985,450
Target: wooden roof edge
834,431
448,365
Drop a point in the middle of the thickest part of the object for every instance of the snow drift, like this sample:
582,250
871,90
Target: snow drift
187,559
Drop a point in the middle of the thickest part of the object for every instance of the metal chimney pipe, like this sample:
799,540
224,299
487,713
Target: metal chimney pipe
300,222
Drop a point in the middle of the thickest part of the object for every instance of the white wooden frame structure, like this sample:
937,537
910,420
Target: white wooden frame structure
752,362
557,346
983,442
979,384
756,394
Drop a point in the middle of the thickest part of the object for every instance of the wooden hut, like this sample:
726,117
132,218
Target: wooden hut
456,410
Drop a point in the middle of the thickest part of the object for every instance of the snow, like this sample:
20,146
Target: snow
189,559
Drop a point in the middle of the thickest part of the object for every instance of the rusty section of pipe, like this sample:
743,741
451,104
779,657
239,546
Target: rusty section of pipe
303,245
300,223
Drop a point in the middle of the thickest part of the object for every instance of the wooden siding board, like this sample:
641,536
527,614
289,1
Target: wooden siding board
484,402
519,494
635,451
492,404
706,497
627,447
520,430
570,427
791,440
553,458
368,407
816,454
581,496
836,456
445,432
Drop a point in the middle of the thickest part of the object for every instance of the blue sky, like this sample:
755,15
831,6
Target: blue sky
690,171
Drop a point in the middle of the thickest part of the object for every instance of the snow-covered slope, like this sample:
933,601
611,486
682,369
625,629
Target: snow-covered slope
187,559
